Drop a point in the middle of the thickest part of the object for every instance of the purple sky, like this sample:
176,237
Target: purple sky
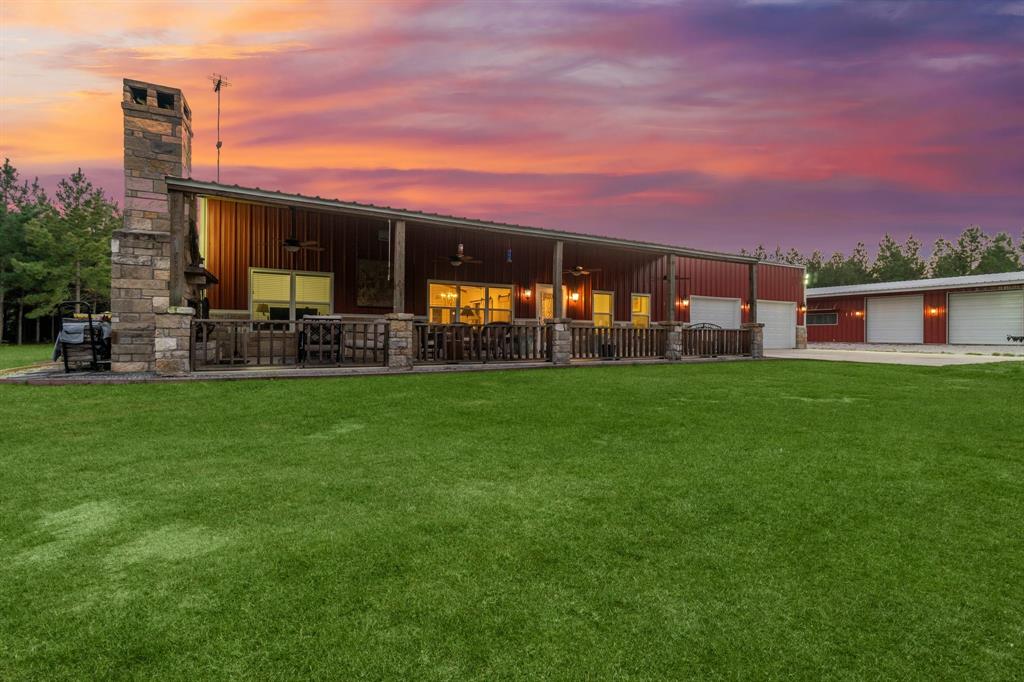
711,124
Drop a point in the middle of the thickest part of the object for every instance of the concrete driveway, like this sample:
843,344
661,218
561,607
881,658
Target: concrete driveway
886,357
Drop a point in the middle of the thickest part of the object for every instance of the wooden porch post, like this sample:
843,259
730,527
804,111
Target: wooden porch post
556,282
670,295
753,293
399,267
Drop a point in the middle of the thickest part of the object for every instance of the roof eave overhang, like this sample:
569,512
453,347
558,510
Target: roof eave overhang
257,195
914,290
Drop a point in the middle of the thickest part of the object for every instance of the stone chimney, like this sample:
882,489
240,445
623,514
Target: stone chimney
147,273
157,143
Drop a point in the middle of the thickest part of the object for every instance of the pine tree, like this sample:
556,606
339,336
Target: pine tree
68,247
20,203
897,262
946,261
841,271
999,256
971,246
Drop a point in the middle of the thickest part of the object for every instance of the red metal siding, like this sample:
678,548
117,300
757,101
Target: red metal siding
935,324
696,277
620,271
240,235
852,329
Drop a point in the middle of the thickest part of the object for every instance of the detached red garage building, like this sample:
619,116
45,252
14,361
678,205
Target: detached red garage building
978,309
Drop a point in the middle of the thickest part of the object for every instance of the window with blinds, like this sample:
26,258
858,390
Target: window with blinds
284,295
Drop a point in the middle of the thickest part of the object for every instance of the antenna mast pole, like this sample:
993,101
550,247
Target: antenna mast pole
219,83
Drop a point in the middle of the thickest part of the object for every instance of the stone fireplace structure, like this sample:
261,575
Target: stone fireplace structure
149,284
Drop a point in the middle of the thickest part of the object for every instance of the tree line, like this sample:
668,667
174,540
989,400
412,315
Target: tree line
974,252
52,249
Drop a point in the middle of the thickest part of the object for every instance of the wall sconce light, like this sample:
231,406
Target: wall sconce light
527,293
745,306
934,312
803,309
859,313
574,296
685,303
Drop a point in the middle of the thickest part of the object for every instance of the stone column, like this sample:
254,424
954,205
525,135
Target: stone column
401,345
801,336
561,341
171,344
673,340
140,271
756,338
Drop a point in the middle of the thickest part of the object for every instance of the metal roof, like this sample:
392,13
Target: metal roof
969,281
255,194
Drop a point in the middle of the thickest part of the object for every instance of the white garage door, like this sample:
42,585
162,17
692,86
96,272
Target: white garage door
725,312
986,317
896,319
779,319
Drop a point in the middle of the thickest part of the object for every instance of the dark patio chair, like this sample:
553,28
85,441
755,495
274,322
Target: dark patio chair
83,342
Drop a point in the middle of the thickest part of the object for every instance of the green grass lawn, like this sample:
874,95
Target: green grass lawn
718,521
19,356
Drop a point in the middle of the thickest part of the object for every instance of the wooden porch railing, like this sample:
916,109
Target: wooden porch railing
613,343
455,343
713,342
240,344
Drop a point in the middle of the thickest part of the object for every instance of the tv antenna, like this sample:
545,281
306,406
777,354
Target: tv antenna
219,83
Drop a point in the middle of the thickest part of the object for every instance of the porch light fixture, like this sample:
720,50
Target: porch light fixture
527,293
574,296
684,302
859,313
934,312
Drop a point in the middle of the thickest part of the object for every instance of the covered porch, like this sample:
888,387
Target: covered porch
304,282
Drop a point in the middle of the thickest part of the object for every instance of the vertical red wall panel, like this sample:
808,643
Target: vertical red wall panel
242,235
850,318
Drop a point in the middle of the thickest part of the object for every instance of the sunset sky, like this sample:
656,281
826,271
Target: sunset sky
711,124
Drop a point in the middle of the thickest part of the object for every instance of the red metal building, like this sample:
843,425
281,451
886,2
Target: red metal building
977,309
242,232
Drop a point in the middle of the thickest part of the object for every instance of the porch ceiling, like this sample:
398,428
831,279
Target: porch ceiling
255,194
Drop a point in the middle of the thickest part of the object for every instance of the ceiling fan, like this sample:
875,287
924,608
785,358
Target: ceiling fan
294,245
579,271
460,257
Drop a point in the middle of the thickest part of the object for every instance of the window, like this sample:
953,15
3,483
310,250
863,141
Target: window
546,302
641,310
603,308
284,295
477,304
822,318
164,100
